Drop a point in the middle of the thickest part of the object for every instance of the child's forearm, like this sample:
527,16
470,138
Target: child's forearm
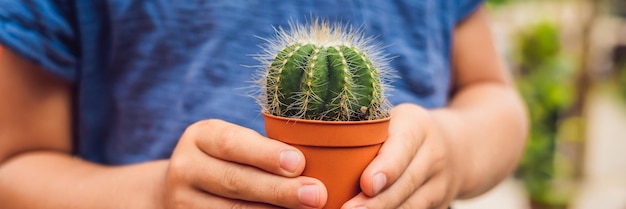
56,180
36,169
486,124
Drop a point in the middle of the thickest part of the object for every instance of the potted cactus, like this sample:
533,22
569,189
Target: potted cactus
322,90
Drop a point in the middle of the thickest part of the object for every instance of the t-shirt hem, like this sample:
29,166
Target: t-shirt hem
466,13
8,44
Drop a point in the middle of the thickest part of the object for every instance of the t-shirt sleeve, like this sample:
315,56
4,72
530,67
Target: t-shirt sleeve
466,7
41,31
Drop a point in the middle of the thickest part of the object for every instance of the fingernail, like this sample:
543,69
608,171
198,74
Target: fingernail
289,160
379,182
309,195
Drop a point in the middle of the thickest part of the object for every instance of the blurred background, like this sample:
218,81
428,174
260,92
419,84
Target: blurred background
568,58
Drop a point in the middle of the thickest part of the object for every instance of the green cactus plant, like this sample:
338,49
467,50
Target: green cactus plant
322,72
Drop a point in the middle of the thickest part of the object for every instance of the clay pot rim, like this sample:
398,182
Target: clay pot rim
325,122
327,133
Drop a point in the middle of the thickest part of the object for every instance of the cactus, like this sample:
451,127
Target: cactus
322,72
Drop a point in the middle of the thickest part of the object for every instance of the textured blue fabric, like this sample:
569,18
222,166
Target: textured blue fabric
143,70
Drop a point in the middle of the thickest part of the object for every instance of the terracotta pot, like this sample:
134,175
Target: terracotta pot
336,153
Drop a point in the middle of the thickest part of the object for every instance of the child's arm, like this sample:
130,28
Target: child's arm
36,166
213,159
459,151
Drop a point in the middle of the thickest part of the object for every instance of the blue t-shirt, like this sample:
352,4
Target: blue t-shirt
143,70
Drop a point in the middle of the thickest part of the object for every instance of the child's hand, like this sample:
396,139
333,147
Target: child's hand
222,165
414,168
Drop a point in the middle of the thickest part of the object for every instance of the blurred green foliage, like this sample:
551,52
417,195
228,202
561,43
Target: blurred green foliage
621,79
538,46
619,68
545,79
616,7
498,2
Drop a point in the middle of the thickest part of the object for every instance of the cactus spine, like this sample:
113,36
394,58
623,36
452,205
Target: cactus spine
323,72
